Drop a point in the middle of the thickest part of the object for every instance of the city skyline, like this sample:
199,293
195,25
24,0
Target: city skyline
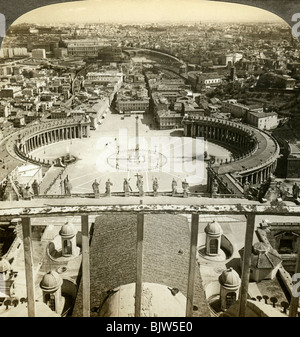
146,11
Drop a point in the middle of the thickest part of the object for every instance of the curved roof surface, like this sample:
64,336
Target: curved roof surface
51,281
230,278
67,230
157,301
165,260
213,228
263,259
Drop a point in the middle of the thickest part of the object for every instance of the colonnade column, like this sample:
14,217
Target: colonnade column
268,171
251,178
259,177
223,135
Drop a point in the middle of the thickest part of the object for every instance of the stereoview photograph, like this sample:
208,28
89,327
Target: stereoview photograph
150,161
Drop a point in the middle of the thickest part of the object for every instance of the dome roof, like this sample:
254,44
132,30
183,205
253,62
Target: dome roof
230,278
4,265
67,230
213,228
51,281
158,300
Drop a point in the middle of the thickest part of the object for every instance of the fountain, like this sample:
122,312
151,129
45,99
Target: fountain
66,159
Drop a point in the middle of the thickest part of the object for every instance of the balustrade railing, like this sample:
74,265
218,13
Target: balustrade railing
84,211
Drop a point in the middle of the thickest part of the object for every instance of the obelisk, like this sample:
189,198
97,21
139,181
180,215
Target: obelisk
137,146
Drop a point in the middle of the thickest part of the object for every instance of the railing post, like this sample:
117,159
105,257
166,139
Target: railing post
85,266
293,312
192,264
139,265
246,264
28,258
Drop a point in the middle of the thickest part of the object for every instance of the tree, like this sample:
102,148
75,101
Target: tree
285,305
7,303
259,298
266,297
23,300
15,302
274,301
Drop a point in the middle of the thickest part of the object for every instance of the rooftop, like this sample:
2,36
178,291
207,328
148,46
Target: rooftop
157,300
262,114
229,278
263,259
113,256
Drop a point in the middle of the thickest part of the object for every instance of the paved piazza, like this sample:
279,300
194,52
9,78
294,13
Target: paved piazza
169,155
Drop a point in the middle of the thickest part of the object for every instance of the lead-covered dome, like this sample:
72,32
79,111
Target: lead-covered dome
67,230
213,228
230,278
51,281
158,300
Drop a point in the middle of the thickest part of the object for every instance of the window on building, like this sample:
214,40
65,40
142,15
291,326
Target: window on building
213,246
285,246
50,301
230,299
67,247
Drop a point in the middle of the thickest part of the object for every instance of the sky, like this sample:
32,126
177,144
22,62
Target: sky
145,11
